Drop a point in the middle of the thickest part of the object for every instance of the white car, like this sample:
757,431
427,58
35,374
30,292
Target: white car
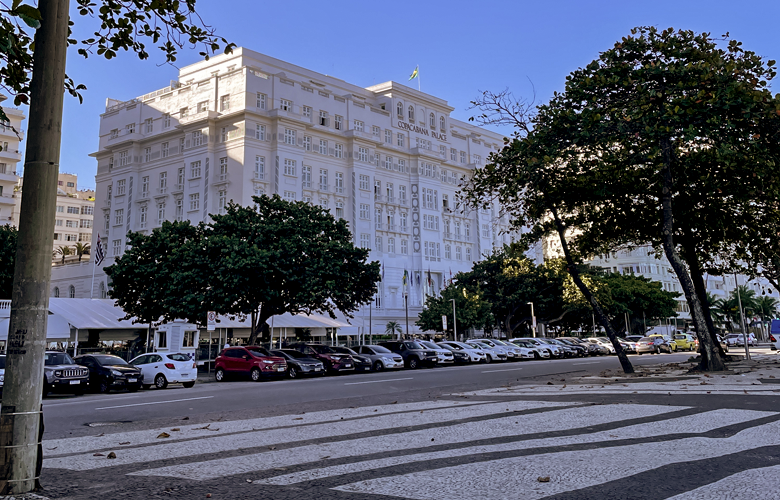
536,351
492,353
520,353
445,355
161,369
554,350
2,372
472,355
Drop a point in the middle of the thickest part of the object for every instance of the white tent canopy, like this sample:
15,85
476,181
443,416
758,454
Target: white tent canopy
56,328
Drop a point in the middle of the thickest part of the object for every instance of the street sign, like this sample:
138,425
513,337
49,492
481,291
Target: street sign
444,322
211,321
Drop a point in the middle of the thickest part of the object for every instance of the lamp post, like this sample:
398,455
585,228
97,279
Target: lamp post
406,307
533,318
742,318
454,322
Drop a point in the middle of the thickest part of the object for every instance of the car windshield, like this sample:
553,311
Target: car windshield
645,339
258,351
412,345
105,359
479,345
178,357
452,347
380,350
293,353
429,345
57,358
2,362
322,349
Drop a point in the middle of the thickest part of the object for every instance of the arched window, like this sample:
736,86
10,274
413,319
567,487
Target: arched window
72,292
411,113
399,108
102,290
56,291
442,123
432,120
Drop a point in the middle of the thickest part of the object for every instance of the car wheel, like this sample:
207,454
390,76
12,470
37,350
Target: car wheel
104,386
255,374
219,375
537,355
413,363
488,358
160,381
292,372
133,388
187,385
378,366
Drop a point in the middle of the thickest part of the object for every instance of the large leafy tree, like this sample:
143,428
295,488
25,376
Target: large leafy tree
260,261
668,139
471,309
7,260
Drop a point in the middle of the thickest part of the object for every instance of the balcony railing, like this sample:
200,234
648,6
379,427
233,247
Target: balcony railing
162,190
259,176
323,187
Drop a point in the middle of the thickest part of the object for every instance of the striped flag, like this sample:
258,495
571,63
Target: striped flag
415,73
99,256
405,276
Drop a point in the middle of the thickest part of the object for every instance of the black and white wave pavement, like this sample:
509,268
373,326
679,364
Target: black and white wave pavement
492,447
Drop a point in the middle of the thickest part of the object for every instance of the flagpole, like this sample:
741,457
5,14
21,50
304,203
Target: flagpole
92,290
418,78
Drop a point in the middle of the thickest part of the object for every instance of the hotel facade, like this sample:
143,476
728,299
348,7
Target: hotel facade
388,159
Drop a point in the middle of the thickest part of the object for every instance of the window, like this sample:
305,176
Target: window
340,209
447,252
468,254
432,120
457,229
306,176
403,221
375,130
458,253
223,168
61,208
72,292
467,229
260,101
181,145
453,154
222,201
160,213
197,138
163,181
124,158
389,162
364,208
378,218
289,167
110,162
180,178
338,151
339,182
107,221
58,222
323,118
116,247
388,136
142,217
144,186
184,112
203,106
358,125
179,210
324,203
260,167
377,189
477,160
463,157
364,182
411,113
194,201
399,110
323,179
164,150
389,191
166,120
307,142
223,136
129,129
363,154
224,103
72,223
404,247
258,190
442,123
307,111
85,236
148,126
339,122
120,187
195,169
114,133
285,105
443,151
289,195
400,140
323,147
289,137
402,193
485,231
364,240
56,292
87,210
73,210
402,166
378,243
162,339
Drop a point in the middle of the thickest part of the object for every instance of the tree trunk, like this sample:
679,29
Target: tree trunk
598,311
21,409
711,359
259,325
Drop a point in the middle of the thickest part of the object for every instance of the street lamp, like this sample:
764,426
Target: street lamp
454,322
406,307
742,318
533,318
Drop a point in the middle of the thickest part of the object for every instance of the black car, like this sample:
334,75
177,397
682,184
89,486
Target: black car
299,363
362,363
107,372
334,362
414,354
62,374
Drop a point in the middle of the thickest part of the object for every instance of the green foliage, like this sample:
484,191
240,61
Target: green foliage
392,328
303,334
8,237
63,251
120,25
81,249
265,260
766,307
471,309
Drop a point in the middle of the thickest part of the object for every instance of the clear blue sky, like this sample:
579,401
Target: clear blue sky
462,47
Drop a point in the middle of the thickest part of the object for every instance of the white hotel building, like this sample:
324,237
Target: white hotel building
386,158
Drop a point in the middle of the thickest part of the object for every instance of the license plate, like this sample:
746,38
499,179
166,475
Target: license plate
280,369
75,382
317,369
348,365
185,374
132,380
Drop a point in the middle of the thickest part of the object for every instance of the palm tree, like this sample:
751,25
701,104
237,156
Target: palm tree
716,308
82,249
64,251
766,307
392,328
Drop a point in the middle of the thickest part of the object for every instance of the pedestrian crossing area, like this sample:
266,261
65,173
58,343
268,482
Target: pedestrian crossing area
446,449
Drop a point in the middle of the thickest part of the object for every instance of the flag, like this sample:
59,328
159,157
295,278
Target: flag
99,252
430,281
415,72
450,276
382,265
405,276
418,279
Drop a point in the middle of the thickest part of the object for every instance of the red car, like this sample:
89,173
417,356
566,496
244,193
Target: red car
333,361
251,360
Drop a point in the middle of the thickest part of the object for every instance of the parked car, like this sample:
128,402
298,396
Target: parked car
333,361
634,338
252,361
723,343
161,369
667,340
738,340
646,345
582,350
299,364
108,372
2,372
606,343
499,347
381,357
554,350
62,374
628,346
568,351
519,352
446,357
686,342
362,363
414,354
595,347
537,351
463,353
491,353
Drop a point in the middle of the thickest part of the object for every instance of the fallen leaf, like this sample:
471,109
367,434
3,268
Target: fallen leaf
394,402
111,455
543,479
98,455
280,468
101,434
326,456
163,435
206,428
187,418
125,442
549,383
299,418
175,429
208,495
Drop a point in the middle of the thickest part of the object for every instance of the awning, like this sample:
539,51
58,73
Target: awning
56,328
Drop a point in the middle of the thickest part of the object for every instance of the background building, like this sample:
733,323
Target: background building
11,135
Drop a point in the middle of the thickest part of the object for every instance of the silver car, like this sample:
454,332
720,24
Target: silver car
491,353
445,355
464,353
382,357
537,352
519,352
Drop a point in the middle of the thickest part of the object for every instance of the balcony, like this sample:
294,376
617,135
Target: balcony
323,188
178,188
7,199
8,176
306,184
221,178
13,154
339,189
162,190
259,176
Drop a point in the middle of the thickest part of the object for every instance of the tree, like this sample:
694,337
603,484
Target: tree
7,260
81,249
273,258
63,251
666,139
471,309
392,328
766,307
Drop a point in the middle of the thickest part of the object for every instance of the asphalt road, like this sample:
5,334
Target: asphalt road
69,416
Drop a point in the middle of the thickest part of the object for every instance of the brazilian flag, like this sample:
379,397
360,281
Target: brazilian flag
415,73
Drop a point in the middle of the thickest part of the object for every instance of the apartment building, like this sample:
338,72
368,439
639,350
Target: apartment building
11,136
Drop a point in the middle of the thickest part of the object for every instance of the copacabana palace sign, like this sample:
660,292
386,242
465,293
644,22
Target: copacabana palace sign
421,130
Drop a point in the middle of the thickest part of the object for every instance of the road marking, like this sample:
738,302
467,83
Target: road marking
153,403
588,363
378,381
506,370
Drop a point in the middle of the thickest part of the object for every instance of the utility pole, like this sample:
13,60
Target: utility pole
21,412
406,308
454,322
742,325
